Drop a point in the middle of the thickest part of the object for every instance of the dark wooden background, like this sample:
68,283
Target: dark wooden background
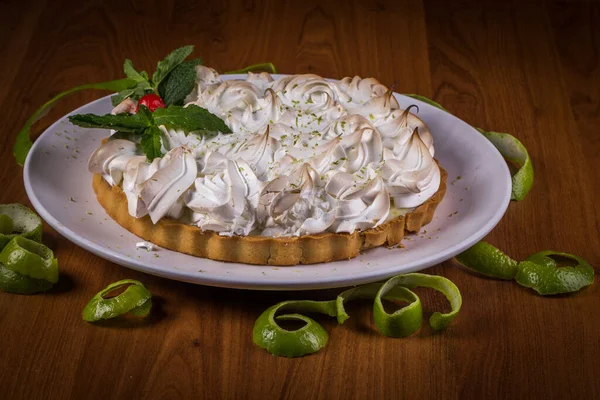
529,68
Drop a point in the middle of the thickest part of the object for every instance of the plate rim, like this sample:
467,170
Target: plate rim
299,283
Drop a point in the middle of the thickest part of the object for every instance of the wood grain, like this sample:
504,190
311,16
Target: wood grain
530,68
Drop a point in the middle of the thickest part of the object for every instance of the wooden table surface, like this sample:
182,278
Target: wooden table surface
529,68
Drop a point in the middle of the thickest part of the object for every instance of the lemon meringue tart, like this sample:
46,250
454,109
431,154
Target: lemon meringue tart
313,171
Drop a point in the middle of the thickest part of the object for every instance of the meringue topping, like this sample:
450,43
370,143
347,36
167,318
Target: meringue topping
306,156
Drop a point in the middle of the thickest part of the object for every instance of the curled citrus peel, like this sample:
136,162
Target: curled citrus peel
135,300
539,271
308,339
542,273
312,337
27,267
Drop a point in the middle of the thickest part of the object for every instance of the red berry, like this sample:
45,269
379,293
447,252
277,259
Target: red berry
152,101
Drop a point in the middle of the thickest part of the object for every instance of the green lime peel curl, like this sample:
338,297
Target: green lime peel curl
136,300
539,271
312,337
26,265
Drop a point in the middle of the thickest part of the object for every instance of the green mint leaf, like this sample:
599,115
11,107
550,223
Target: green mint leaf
151,143
23,141
143,83
179,83
190,119
171,61
132,73
121,122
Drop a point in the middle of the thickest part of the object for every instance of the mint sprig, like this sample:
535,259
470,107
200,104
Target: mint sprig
131,73
145,125
174,76
173,80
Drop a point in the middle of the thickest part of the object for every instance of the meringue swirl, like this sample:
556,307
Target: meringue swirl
306,156
225,201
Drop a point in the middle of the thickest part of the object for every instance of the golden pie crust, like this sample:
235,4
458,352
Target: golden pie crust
263,250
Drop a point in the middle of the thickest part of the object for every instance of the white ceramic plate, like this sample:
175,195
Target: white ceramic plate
59,186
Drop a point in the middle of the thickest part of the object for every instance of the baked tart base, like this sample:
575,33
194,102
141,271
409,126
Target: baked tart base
262,250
